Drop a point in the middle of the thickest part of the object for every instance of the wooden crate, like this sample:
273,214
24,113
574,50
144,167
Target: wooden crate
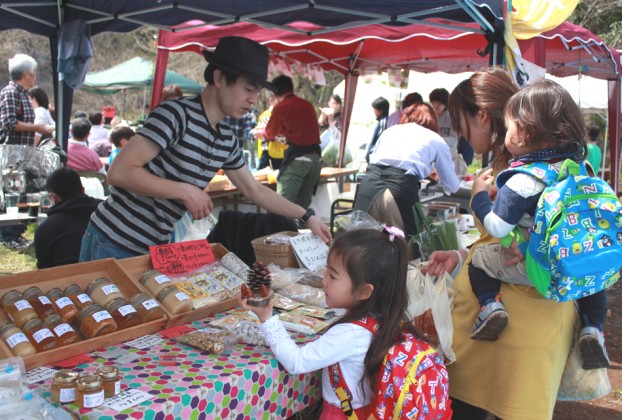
81,274
135,267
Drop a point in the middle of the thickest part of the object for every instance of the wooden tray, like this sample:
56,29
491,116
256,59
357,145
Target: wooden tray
81,274
136,266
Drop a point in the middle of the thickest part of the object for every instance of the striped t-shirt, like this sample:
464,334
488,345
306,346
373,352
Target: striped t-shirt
192,152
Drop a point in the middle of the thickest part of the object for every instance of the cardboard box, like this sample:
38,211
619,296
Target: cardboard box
81,274
135,267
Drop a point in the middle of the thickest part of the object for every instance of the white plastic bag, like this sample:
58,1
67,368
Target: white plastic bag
188,229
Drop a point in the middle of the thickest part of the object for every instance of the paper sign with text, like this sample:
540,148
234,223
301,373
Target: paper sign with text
181,257
39,374
310,250
127,399
145,341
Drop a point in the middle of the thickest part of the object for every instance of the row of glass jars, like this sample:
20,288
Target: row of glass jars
160,286
87,390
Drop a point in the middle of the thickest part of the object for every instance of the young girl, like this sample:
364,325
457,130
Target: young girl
543,125
366,275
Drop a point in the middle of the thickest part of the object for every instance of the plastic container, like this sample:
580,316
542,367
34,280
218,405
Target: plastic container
148,308
78,297
16,340
39,335
89,391
40,302
155,282
124,314
67,310
102,291
65,332
110,379
64,387
175,301
95,321
18,308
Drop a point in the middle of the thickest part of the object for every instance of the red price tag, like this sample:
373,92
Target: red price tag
177,331
181,257
74,361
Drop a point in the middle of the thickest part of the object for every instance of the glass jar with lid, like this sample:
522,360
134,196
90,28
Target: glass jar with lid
89,391
148,308
102,291
16,340
110,379
67,310
95,321
64,386
40,303
78,296
174,300
124,314
18,308
154,281
39,335
65,332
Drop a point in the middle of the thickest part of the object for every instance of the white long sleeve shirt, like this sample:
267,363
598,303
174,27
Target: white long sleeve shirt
343,343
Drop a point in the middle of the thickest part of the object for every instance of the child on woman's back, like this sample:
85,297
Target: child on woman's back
366,275
543,125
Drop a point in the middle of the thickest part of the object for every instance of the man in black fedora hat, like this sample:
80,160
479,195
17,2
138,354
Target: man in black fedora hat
164,170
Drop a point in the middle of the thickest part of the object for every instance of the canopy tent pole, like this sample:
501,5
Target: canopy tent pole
350,91
613,114
159,74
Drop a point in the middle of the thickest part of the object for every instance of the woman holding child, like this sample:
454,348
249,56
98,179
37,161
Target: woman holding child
518,375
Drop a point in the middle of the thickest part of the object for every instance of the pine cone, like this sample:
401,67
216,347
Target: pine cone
259,276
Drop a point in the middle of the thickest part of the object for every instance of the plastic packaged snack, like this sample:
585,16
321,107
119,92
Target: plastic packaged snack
213,343
249,333
305,294
285,303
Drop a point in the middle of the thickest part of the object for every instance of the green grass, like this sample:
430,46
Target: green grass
13,261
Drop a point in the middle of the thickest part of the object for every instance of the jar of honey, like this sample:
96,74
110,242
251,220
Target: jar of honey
124,314
89,391
64,386
111,380
95,321
63,331
102,291
40,336
148,308
40,303
18,308
17,342
67,310
154,281
78,297
174,300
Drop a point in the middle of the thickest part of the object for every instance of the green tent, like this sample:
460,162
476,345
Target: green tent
136,73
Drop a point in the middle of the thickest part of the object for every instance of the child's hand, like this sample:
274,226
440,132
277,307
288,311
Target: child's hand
263,312
483,181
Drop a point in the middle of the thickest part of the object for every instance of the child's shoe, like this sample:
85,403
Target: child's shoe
592,348
491,321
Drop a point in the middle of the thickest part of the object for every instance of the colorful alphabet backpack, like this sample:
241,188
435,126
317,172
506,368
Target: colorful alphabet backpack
575,246
412,383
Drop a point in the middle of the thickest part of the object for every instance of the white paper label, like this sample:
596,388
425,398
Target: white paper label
110,288
117,388
101,315
39,374
129,398
44,300
83,298
161,279
127,309
62,302
145,342
42,334
61,329
182,296
15,339
151,303
67,395
22,304
94,400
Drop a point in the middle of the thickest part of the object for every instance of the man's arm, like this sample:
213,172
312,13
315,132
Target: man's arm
127,171
274,203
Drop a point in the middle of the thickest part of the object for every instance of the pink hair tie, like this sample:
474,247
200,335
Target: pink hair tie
393,232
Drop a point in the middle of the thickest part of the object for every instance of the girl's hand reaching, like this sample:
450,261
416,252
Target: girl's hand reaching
263,312
483,181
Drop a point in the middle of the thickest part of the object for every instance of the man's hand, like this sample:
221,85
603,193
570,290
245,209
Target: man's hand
197,202
320,229
441,262
483,181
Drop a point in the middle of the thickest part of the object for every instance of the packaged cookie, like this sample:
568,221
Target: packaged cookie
234,264
229,281
210,286
285,303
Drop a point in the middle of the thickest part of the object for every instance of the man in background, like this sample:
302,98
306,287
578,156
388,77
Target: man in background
594,154
410,99
381,111
58,238
119,136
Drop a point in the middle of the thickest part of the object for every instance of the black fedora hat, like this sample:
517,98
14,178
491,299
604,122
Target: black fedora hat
242,56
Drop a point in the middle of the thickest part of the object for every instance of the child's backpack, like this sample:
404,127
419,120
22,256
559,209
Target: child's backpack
575,246
412,383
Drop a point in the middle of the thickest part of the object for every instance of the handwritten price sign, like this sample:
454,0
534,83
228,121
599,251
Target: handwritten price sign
311,251
181,257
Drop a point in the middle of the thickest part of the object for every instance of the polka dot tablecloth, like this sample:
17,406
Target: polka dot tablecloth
246,382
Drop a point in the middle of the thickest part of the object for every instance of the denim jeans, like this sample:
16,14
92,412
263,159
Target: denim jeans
96,246
11,233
